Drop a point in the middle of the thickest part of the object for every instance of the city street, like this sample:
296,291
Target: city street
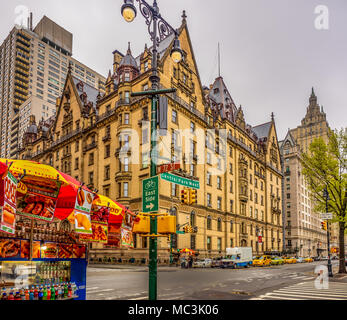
125,283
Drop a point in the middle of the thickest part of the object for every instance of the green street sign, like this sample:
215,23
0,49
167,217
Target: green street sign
150,195
193,184
180,232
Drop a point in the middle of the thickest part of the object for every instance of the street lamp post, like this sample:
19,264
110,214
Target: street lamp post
159,30
326,196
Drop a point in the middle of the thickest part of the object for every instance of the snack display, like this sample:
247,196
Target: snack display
79,252
50,250
100,214
25,249
80,197
65,251
99,233
9,248
83,221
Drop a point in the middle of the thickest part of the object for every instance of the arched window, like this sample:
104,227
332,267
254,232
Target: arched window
209,222
219,224
173,211
192,219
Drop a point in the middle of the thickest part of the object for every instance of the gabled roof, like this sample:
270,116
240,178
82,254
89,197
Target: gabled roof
90,91
219,94
289,138
262,130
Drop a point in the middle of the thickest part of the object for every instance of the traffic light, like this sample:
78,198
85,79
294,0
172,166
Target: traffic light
193,196
185,196
185,229
324,225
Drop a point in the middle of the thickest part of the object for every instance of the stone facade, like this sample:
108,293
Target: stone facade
104,141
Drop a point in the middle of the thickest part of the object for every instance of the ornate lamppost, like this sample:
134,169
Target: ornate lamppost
159,30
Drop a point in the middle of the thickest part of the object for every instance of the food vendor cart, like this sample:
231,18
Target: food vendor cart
39,249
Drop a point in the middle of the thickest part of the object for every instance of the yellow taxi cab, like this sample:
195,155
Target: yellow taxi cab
308,259
289,260
262,261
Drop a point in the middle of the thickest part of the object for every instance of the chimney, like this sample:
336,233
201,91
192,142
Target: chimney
31,21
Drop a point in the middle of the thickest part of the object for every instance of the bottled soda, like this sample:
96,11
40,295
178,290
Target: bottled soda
36,293
69,294
4,294
26,294
17,296
74,289
49,293
66,290
11,295
40,294
52,293
44,293
22,294
59,292
31,294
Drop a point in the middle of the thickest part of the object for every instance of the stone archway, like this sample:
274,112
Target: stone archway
243,243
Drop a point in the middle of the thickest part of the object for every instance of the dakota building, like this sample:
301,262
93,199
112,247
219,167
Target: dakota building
239,201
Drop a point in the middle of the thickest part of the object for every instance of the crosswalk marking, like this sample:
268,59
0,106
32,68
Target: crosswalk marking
307,291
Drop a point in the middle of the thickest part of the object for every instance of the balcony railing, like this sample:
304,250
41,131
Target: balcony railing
66,137
90,146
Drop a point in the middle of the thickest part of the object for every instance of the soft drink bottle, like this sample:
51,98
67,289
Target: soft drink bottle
4,294
69,294
26,294
36,293
74,289
22,294
17,296
52,293
49,293
40,294
44,293
66,290
59,291
31,294
11,295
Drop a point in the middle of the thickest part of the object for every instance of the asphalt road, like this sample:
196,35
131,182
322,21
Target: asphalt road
131,283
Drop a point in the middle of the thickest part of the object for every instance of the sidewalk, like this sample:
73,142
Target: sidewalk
336,276
131,267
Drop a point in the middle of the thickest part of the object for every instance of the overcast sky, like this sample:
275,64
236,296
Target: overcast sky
271,51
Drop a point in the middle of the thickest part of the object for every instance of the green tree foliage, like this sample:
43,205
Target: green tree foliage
325,166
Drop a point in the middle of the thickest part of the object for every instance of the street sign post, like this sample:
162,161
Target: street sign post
189,183
167,167
326,216
150,195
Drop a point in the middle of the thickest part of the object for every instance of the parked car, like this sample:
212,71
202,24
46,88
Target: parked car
206,263
289,260
277,261
300,260
262,261
308,259
216,263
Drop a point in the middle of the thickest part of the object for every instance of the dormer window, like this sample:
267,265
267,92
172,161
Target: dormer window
216,90
127,76
146,65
